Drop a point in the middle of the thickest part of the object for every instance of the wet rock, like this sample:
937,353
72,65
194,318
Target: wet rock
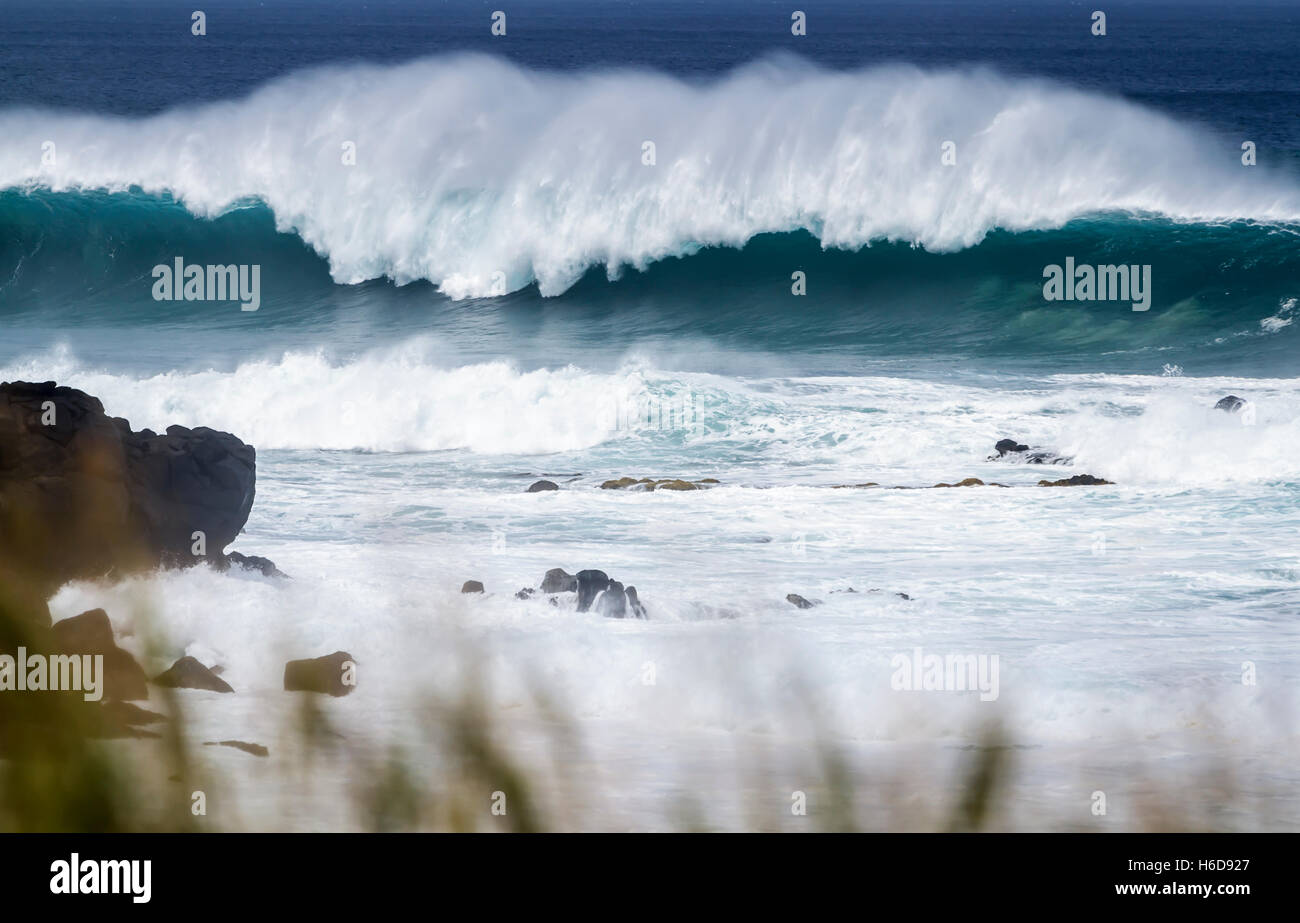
613,602
846,486
658,484
471,586
591,583
539,486
92,633
188,673
968,482
265,566
526,593
1079,480
1230,404
557,580
334,674
1010,450
799,602
634,604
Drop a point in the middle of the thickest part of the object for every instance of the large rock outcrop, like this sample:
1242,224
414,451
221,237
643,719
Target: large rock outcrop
82,495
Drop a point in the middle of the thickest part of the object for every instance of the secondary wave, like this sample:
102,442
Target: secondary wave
483,177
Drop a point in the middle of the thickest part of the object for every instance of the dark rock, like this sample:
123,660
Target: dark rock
1007,447
81,494
471,586
1047,458
250,562
254,749
92,633
658,484
634,604
613,602
591,583
674,484
1079,480
968,482
1230,404
540,486
526,593
325,675
558,581
798,601
188,673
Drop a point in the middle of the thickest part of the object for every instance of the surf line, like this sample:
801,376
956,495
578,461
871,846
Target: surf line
1109,282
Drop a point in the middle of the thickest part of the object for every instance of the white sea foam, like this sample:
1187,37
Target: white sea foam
468,166
1144,430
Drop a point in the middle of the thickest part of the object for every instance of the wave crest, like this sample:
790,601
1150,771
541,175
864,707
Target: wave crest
484,177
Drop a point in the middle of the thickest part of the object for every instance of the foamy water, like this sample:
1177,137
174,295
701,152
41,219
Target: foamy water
1121,610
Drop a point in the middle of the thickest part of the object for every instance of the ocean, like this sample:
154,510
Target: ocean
475,274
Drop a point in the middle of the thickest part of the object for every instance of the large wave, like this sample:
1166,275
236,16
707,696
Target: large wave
474,173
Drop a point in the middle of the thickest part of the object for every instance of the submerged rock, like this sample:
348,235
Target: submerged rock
613,602
658,484
1079,480
591,583
471,586
334,674
526,593
557,580
250,562
594,588
967,482
539,486
188,673
1230,404
1011,450
799,602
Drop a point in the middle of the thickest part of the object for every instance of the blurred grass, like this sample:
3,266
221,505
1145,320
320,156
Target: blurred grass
59,774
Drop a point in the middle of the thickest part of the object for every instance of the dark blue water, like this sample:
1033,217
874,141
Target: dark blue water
1230,65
